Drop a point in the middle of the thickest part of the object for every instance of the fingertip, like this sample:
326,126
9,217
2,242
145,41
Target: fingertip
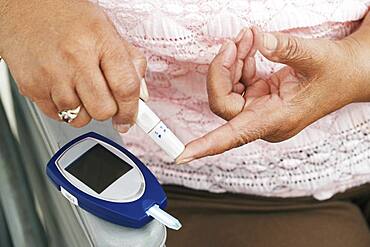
121,128
196,149
225,46
245,45
186,156
248,33
127,112
257,37
240,35
182,161
227,53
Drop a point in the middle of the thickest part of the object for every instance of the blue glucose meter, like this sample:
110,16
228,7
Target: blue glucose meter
105,179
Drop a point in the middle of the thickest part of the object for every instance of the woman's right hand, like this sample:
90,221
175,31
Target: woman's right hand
65,54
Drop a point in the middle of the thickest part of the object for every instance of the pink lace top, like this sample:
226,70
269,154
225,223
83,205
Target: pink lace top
180,38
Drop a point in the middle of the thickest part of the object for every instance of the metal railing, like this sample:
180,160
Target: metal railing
23,223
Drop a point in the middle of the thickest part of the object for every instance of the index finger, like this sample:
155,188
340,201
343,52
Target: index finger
239,131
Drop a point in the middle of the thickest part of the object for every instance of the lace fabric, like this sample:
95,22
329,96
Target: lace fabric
180,38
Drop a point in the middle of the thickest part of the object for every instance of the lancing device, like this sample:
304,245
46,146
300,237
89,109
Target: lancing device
148,121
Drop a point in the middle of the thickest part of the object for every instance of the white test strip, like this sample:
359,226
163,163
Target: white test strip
165,218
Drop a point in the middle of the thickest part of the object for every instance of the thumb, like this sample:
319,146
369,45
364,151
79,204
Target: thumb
299,53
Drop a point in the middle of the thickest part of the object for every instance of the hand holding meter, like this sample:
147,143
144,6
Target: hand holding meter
108,181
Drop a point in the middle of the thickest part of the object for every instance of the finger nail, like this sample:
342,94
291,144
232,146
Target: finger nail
269,41
228,53
225,46
184,160
240,35
122,128
144,94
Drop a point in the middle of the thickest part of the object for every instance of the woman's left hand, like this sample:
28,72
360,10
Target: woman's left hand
322,76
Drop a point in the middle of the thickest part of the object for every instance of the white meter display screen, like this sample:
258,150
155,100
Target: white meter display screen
98,168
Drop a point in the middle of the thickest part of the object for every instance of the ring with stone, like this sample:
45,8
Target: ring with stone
69,115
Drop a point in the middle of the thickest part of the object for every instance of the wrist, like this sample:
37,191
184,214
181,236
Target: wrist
357,47
356,69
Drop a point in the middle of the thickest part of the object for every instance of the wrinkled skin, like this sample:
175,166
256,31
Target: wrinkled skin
321,77
63,54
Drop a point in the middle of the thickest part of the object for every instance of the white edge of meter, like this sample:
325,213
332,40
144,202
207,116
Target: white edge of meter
155,211
69,196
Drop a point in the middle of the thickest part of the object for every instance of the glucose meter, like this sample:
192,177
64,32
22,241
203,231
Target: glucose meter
105,179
